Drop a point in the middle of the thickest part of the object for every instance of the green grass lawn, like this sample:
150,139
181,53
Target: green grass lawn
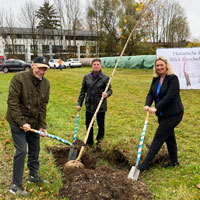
124,123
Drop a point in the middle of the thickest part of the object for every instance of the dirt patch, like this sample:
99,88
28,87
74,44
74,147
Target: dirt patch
102,183
99,183
161,157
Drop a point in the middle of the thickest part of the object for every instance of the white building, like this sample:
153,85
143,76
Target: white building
26,44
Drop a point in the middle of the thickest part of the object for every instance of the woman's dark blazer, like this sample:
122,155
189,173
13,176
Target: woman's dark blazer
169,96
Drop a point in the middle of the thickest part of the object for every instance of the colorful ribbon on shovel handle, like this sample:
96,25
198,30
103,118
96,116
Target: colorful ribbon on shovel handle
142,139
76,127
51,136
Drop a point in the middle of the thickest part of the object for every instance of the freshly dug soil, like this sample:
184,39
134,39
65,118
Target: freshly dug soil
102,183
99,183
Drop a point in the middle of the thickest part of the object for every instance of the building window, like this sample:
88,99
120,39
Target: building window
82,49
19,48
58,37
19,36
57,48
80,37
69,37
45,48
14,48
72,49
34,48
92,49
8,48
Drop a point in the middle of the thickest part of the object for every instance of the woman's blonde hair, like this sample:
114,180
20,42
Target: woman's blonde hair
169,68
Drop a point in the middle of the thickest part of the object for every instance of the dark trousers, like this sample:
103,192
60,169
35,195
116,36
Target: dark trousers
101,128
20,140
165,133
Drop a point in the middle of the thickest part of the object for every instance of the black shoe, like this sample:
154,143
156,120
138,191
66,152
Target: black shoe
18,190
99,141
90,143
142,167
36,179
171,164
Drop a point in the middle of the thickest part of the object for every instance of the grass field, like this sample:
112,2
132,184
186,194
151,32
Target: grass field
124,122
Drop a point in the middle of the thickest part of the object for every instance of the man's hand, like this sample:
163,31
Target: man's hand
44,132
26,127
78,108
104,94
152,110
146,108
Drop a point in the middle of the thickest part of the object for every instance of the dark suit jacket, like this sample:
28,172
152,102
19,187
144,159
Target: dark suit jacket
93,88
169,96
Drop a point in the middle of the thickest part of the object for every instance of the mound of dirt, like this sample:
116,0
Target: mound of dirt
102,183
99,183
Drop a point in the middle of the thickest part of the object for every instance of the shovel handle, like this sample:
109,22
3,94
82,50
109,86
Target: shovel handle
51,136
76,127
110,79
142,139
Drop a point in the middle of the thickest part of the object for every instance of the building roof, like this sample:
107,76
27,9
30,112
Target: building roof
26,31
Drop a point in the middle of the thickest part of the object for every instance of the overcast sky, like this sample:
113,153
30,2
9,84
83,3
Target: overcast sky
192,9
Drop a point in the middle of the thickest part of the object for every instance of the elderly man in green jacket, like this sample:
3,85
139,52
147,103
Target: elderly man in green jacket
27,100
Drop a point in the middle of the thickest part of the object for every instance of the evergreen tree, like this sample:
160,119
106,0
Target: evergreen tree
48,17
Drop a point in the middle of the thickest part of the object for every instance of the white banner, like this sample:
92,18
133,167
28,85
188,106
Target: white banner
185,63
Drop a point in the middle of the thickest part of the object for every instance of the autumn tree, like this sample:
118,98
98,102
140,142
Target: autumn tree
114,21
102,16
94,19
127,20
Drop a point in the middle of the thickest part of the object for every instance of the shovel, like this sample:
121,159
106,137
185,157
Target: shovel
108,84
51,136
73,151
134,172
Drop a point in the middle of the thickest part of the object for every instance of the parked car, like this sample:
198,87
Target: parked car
73,62
53,63
15,65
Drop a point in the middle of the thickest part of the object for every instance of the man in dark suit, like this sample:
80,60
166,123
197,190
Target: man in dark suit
165,92
94,85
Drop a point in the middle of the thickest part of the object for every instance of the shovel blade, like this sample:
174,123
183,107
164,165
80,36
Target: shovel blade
72,154
134,173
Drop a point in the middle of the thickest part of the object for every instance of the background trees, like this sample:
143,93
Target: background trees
112,20
29,19
168,22
48,17
8,20
102,17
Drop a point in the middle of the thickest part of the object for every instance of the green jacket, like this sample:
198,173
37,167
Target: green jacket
27,100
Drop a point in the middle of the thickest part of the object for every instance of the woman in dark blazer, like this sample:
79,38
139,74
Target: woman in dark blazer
165,92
